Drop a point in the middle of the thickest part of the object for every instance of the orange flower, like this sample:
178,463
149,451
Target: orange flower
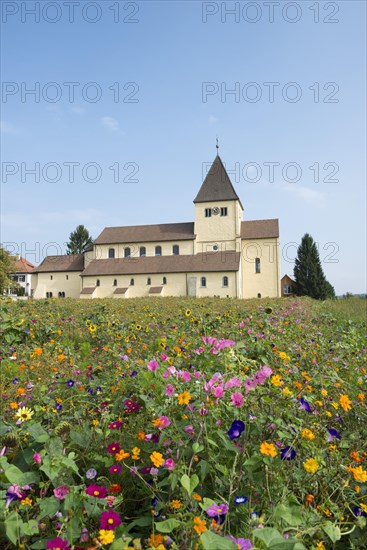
115,488
309,500
61,357
355,456
121,455
155,540
141,436
157,459
38,351
176,504
197,497
268,449
199,525
345,402
13,405
20,391
360,396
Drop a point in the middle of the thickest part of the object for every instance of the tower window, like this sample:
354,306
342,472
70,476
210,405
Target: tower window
158,251
224,211
208,212
142,251
111,252
203,281
149,281
225,281
175,250
257,265
127,252
164,280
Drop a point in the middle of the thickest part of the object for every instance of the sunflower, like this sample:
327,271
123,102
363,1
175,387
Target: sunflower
23,414
188,312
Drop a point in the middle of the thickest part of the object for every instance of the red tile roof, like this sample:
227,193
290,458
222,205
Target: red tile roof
73,262
22,265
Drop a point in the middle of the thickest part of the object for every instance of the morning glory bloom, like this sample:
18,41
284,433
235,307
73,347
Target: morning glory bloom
333,434
236,429
287,453
240,500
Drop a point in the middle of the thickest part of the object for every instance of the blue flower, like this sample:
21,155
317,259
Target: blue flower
134,373
287,453
70,383
357,511
236,429
91,473
58,407
333,434
240,500
305,405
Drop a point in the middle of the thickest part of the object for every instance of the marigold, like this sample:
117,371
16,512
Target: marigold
307,434
184,398
38,351
360,396
309,500
13,405
311,465
176,504
359,474
157,459
199,525
106,536
345,402
141,436
355,456
276,380
268,449
155,540
121,455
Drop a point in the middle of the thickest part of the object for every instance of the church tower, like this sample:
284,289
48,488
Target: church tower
218,212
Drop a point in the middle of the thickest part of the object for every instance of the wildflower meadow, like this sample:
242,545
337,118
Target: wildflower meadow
183,424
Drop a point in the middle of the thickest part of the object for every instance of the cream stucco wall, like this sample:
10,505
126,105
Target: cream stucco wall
267,282
66,281
217,230
101,250
177,285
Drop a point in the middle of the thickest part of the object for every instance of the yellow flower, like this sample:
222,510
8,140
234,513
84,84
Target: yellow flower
155,540
335,405
268,449
38,351
92,328
324,393
106,536
363,506
320,546
176,504
26,501
276,380
287,391
135,453
121,455
311,465
157,459
184,398
188,313
307,434
345,402
359,474
199,525
23,414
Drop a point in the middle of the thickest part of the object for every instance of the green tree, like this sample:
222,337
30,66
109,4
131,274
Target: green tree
7,268
308,273
79,241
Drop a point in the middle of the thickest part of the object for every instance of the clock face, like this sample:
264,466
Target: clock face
215,211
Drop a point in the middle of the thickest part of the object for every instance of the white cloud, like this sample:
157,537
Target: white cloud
7,128
212,119
110,123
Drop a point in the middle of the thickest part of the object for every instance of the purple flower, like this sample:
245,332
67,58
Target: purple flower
91,473
115,469
115,425
113,448
333,434
217,510
61,492
153,365
236,429
242,544
287,453
305,405
70,383
240,500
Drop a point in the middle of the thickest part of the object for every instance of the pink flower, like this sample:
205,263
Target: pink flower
266,371
170,464
58,543
218,392
164,421
232,383
185,376
203,411
61,492
237,399
153,365
37,458
189,430
110,520
170,390
249,384
163,356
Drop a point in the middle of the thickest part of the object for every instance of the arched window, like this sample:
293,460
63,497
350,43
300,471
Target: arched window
143,251
111,252
158,251
127,252
175,250
98,282
115,282
132,282
149,281
225,281
257,265
259,295
164,280
48,294
203,281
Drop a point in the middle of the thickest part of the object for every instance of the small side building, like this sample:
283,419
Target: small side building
288,286
22,275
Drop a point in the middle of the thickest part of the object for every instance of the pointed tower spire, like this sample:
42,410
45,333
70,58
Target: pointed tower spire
217,186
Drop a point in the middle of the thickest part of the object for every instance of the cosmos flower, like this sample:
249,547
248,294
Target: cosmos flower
110,520
61,492
217,510
237,399
57,544
115,425
242,544
113,448
96,491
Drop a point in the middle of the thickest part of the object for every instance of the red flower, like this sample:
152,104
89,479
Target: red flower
113,448
115,488
58,543
110,520
96,491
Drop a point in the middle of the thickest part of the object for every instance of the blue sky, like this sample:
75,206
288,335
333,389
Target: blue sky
150,93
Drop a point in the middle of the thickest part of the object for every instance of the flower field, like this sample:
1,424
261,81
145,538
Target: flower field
183,424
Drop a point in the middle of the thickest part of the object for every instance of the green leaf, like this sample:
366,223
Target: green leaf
13,525
30,528
272,538
38,433
291,515
189,483
120,544
207,503
48,507
197,447
210,541
82,439
332,531
12,473
167,526
253,463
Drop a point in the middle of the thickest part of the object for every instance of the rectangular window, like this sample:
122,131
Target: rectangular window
224,211
208,212
257,265
21,278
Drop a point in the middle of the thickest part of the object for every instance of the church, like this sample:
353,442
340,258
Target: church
218,254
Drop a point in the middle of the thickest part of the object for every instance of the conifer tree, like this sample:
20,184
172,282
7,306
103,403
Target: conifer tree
79,241
308,272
